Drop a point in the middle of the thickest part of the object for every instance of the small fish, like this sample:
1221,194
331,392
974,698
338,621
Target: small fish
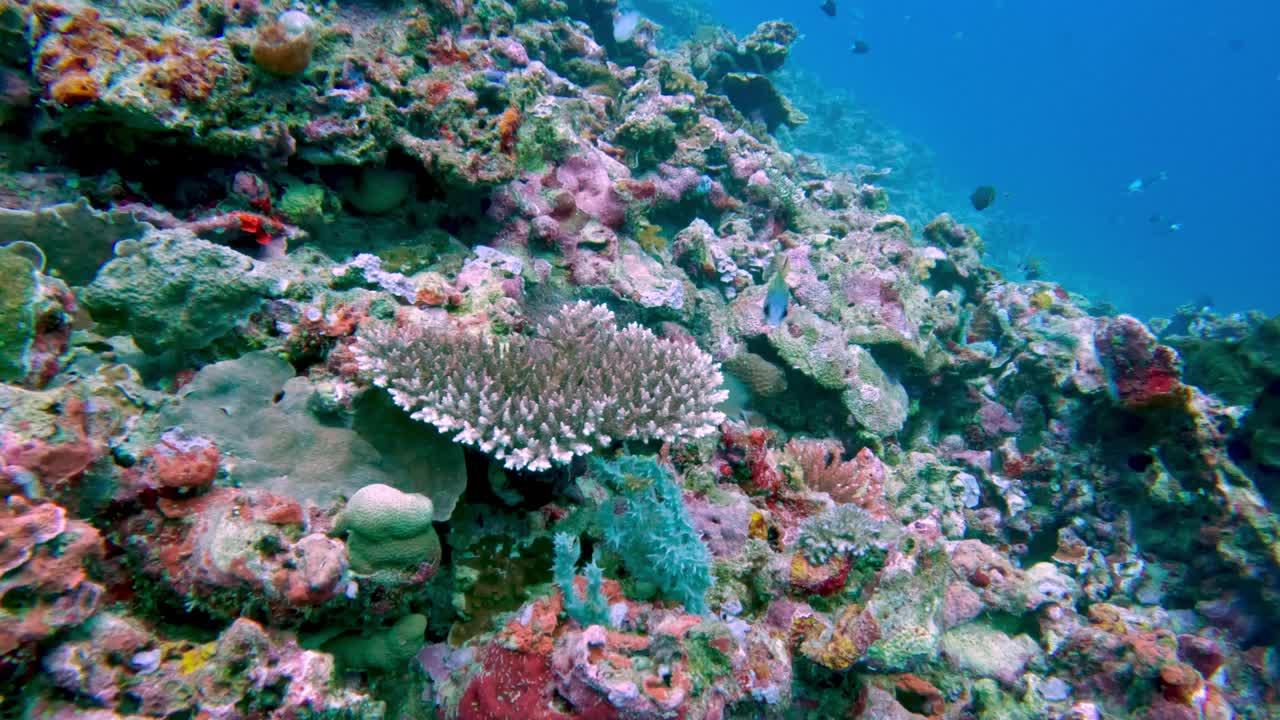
983,197
625,25
777,297
1142,183
1032,268
1175,227
828,7
860,47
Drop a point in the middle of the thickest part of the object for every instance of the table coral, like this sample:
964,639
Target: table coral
505,396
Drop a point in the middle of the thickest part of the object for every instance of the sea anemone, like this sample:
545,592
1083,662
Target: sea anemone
283,46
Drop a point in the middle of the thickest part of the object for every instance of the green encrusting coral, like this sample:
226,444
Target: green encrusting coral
17,314
387,650
174,291
280,437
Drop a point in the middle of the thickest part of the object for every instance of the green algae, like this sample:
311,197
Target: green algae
495,575
707,660
387,650
306,205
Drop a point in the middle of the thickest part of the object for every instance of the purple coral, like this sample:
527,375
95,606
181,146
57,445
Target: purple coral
587,178
579,384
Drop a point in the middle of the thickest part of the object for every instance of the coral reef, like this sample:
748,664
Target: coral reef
123,666
363,360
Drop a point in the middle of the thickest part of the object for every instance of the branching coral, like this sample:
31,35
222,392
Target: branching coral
577,385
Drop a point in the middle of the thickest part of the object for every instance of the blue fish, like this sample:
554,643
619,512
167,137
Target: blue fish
777,297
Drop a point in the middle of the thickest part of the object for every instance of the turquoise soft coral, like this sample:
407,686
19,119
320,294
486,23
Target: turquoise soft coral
587,608
647,526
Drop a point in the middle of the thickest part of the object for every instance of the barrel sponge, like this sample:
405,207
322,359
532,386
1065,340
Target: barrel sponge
389,530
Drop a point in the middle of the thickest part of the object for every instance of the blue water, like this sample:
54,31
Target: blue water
1061,106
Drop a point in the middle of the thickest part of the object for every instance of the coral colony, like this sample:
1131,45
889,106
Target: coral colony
482,360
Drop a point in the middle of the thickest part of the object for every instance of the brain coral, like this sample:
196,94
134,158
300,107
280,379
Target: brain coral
389,530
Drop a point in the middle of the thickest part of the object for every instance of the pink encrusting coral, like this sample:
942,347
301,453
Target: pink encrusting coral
218,548
589,181
1144,373
46,586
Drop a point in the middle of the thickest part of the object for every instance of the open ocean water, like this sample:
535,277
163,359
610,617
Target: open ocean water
1061,106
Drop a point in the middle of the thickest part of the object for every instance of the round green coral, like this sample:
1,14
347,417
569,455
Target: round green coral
389,530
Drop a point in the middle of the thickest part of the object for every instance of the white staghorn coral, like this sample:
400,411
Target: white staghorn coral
576,386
